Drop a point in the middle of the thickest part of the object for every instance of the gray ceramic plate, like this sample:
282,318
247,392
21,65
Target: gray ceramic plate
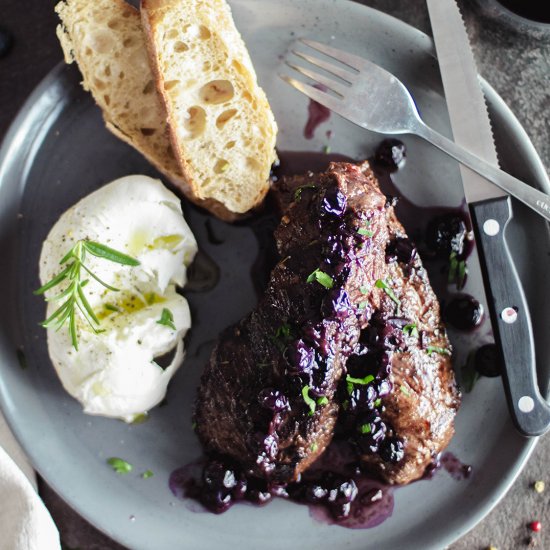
57,151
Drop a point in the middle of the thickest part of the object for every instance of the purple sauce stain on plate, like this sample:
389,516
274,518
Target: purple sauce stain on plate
454,467
317,114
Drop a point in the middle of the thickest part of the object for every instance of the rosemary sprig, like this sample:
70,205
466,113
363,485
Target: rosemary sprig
73,296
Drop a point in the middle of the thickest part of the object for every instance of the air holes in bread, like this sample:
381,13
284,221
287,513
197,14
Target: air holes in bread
217,91
230,144
147,131
180,47
170,84
195,122
239,67
171,34
204,33
224,118
221,166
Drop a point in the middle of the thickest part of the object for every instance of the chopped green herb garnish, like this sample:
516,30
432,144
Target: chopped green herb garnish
140,418
322,278
167,319
194,426
120,466
283,331
378,402
405,390
322,401
462,273
411,330
458,269
363,305
345,405
298,192
74,293
21,358
364,290
468,373
310,402
360,381
147,474
365,429
434,349
386,288
365,232
327,149
314,447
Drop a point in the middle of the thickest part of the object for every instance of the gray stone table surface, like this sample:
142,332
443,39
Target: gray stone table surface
518,67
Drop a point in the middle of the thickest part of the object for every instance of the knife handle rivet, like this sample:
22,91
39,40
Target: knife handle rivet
509,315
526,404
491,227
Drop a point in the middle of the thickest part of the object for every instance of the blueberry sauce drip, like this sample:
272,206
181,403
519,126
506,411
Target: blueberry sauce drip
317,114
464,312
453,466
335,489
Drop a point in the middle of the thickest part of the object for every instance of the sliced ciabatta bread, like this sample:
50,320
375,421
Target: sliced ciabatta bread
106,40
223,131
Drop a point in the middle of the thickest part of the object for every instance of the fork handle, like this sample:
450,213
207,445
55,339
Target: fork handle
535,199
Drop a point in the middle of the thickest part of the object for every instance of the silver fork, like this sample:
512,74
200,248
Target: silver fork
376,100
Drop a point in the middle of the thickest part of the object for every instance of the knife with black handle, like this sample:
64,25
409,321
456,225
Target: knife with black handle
491,212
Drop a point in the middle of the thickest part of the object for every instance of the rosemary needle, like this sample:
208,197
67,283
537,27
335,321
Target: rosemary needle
75,299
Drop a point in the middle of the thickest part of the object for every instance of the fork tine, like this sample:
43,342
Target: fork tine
345,75
327,82
329,101
353,61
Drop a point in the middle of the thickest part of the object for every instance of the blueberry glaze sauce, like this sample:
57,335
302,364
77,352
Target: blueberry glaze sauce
335,489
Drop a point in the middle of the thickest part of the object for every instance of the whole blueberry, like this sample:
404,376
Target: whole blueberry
464,312
301,358
401,250
336,302
391,154
446,234
333,202
392,450
487,361
273,400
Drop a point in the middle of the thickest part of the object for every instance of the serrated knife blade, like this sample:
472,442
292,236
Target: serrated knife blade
467,108
491,212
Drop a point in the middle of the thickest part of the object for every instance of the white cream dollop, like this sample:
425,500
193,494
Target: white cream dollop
114,373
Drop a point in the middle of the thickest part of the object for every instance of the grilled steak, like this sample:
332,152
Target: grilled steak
348,332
